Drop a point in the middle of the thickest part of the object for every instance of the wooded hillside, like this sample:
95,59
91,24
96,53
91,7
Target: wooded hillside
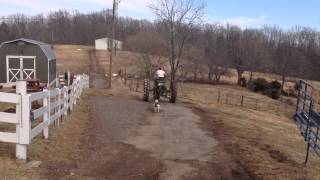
212,48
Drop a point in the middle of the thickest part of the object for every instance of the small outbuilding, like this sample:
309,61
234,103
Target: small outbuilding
106,44
23,59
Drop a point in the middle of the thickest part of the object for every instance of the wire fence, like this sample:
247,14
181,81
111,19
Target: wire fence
133,83
223,98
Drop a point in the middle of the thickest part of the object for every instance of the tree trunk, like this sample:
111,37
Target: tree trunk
239,77
218,76
173,82
173,88
210,74
251,75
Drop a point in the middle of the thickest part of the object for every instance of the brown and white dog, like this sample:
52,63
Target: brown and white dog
156,106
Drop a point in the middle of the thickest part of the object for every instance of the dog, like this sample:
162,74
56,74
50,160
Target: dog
156,106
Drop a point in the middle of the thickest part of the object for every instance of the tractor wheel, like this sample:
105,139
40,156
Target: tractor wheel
146,90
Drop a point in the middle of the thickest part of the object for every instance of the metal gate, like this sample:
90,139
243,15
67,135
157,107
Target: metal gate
21,68
307,116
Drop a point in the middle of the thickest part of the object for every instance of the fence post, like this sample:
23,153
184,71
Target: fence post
23,127
57,81
81,86
59,108
75,92
71,96
219,96
242,100
78,88
88,81
46,115
65,101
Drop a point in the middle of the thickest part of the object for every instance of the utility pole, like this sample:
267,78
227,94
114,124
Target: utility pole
115,7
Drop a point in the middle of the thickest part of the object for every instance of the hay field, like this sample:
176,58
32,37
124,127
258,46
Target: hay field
72,58
267,143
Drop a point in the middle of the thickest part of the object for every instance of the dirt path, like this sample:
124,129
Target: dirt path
97,75
127,140
174,138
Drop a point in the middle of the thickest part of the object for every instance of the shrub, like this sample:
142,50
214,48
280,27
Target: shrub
275,85
258,85
273,93
243,82
251,85
262,85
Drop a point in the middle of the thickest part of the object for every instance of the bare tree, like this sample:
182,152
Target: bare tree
4,32
254,50
177,16
287,56
193,63
150,48
235,50
216,52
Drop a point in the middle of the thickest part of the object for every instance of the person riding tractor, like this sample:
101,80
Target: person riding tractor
159,87
159,81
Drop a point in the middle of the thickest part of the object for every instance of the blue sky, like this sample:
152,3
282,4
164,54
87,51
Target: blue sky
284,13
245,13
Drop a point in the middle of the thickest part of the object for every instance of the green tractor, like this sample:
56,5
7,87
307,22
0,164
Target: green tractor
160,90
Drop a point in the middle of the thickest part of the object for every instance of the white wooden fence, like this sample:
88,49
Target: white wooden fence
55,104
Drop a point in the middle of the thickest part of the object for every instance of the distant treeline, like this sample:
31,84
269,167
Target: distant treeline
68,27
211,48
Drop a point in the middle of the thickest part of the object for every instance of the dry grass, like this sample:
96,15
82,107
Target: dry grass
72,58
224,95
123,60
5,106
62,146
6,127
268,144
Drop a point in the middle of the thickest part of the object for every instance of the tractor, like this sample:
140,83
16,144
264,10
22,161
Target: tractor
159,89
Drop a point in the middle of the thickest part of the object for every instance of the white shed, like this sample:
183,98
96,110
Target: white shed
105,44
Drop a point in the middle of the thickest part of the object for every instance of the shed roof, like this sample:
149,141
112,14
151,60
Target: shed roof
106,38
44,47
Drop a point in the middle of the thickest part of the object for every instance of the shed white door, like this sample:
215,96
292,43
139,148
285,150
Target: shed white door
21,68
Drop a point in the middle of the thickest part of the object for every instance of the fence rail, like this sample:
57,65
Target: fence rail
54,104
